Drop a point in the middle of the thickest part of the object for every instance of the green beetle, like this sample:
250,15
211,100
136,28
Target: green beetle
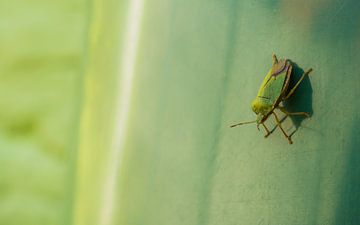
273,91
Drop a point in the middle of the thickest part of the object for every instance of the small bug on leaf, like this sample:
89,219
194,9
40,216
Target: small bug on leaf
272,92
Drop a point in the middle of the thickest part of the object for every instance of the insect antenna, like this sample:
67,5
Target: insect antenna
238,124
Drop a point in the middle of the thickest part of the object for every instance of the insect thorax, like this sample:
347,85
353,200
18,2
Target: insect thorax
261,105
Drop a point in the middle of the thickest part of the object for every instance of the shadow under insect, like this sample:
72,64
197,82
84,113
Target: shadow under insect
300,100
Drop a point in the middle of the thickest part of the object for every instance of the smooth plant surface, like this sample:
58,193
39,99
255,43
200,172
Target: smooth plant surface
200,65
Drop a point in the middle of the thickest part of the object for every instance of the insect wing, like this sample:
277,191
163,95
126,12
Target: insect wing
273,83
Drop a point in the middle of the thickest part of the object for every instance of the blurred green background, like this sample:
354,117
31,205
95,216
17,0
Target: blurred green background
195,67
42,53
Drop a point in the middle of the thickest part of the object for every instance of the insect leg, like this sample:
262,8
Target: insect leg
293,113
267,130
274,58
297,84
279,124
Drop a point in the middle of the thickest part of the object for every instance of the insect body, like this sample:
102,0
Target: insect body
273,91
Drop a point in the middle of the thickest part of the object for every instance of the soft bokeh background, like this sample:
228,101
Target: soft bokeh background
41,56
195,69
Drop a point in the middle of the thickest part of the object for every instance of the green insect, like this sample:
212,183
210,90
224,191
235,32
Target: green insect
272,92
